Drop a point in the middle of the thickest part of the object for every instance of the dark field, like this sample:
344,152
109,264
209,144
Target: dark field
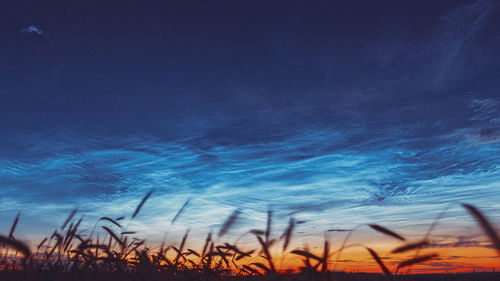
20,275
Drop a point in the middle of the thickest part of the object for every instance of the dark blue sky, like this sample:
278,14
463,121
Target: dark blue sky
369,110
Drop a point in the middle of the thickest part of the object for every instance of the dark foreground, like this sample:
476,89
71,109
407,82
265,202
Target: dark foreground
106,276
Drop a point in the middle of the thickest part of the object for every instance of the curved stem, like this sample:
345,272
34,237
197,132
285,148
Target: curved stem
343,245
434,223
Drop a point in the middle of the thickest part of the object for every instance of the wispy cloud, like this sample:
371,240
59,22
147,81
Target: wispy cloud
456,33
32,29
340,184
387,135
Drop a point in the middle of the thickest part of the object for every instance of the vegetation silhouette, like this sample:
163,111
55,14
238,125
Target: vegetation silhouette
69,254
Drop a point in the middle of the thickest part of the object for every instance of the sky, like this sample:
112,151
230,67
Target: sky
336,113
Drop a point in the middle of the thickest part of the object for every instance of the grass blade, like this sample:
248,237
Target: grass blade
13,228
265,248
243,255
71,215
257,232
229,222
183,242
207,242
113,235
305,254
262,266
181,210
485,225
409,247
251,270
288,234
268,224
41,243
386,271
324,260
386,231
110,220
191,251
416,260
23,248
142,203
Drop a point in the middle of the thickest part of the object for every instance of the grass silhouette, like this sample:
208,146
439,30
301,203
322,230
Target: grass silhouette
69,254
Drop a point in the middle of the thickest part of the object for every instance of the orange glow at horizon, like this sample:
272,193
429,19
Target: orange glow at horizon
480,257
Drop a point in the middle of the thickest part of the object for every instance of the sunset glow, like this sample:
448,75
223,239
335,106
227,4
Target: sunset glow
376,120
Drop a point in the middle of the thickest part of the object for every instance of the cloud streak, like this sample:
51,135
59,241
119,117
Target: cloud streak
387,126
32,29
